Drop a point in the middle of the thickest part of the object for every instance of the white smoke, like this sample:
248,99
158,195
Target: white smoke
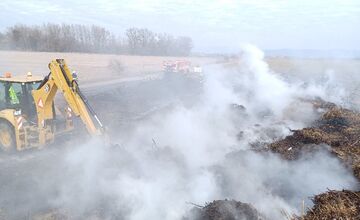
201,153
204,135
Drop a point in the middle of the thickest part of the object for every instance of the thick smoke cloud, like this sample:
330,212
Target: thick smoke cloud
199,153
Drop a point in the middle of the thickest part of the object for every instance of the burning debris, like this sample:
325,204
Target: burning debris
338,127
226,210
335,205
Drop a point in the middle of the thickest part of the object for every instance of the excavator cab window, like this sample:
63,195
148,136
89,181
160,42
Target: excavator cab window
10,95
13,95
17,95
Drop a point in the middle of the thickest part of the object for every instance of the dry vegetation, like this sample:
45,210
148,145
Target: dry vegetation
335,205
340,129
226,210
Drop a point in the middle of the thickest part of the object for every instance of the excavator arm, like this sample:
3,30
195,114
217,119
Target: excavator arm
60,78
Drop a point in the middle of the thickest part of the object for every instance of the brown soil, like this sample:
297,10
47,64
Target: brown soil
226,210
335,205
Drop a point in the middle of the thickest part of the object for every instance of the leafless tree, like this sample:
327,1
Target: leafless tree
95,39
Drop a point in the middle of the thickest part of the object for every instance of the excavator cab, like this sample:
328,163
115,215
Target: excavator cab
28,115
16,106
17,95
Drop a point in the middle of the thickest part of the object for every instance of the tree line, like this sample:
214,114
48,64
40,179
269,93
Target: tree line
92,39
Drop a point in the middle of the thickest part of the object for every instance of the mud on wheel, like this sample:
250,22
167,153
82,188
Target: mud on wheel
7,137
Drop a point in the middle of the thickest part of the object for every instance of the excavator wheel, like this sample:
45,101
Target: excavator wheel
7,137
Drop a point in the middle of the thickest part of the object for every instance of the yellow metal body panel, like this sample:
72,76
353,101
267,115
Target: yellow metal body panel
59,79
8,115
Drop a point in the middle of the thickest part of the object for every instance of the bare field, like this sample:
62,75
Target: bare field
91,67
96,70
346,69
342,73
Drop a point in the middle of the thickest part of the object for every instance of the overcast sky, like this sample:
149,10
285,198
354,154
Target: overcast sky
214,25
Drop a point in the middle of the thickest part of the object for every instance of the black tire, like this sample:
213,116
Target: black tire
7,137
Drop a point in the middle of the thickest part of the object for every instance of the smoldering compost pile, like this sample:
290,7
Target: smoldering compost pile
339,128
343,204
225,210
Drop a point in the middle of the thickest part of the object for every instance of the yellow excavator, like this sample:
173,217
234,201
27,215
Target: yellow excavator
28,115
